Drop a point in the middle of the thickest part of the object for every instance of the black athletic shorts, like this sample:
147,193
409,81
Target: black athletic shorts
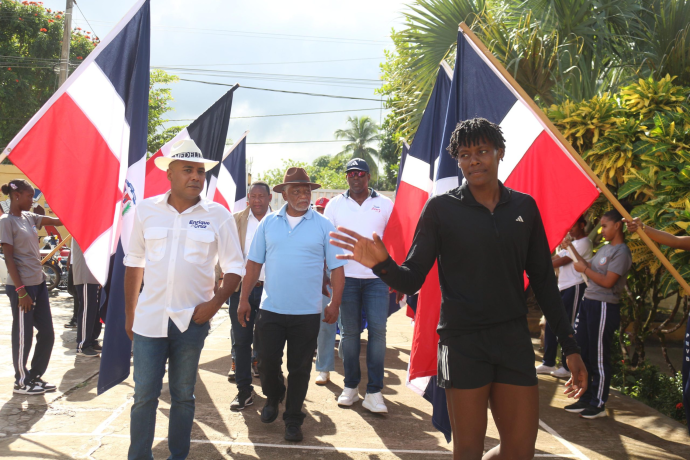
501,354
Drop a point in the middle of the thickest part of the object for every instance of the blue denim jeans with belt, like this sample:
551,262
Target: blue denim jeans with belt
181,350
370,295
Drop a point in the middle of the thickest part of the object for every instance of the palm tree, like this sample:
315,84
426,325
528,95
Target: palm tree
362,132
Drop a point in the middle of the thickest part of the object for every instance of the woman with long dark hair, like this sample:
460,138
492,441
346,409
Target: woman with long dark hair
600,314
26,288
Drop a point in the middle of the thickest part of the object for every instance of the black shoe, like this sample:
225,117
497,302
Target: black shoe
593,412
29,389
231,374
71,325
270,411
576,408
255,368
293,432
97,347
88,353
242,400
40,383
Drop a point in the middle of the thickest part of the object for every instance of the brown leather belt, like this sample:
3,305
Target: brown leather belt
259,284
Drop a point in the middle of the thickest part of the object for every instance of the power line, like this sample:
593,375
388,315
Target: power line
87,21
286,114
271,76
272,63
291,142
283,91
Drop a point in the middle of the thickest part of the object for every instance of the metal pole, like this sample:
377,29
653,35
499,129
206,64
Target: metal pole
66,39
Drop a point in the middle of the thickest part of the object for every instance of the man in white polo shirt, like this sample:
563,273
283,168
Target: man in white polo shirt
365,211
175,244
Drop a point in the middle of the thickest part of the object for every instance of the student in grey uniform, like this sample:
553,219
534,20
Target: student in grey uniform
600,315
88,293
26,288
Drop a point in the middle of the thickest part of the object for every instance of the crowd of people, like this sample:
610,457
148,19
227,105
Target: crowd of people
293,276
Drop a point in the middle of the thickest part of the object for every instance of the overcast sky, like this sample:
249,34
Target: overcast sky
346,39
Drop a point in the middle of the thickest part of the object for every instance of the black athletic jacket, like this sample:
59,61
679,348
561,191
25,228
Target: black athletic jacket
482,258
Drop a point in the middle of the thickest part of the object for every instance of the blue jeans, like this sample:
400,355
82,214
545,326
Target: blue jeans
182,351
325,358
244,338
372,296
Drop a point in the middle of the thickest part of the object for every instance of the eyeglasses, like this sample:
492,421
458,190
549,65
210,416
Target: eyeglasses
356,173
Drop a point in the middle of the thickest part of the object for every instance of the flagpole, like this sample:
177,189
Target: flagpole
229,151
585,167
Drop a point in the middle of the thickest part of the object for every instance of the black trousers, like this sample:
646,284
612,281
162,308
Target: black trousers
88,319
300,332
23,325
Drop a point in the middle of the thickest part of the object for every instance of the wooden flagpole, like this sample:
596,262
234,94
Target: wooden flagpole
56,249
604,189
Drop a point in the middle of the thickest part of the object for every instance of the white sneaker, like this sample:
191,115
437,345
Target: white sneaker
374,402
542,369
323,378
348,397
561,373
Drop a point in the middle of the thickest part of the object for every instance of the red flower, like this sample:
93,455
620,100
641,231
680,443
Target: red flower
35,14
623,361
9,68
43,30
50,20
20,19
89,33
78,28
80,58
58,16
17,81
679,406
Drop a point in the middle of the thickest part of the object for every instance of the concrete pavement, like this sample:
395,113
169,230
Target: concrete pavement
76,423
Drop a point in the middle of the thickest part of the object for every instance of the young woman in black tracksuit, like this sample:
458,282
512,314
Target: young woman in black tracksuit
599,315
26,288
484,237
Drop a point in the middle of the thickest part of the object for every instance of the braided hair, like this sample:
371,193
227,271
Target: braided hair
473,131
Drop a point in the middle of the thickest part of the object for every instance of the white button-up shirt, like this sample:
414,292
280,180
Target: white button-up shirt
371,216
252,225
179,252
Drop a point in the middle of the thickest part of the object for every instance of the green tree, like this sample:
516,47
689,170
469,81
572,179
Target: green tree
160,96
30,45
361,133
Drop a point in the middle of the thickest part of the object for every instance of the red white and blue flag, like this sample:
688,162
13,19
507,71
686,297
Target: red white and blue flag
229,188
536,162
208,132
96,125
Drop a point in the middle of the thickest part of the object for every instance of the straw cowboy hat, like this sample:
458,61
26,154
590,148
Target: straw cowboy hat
186,150
297,176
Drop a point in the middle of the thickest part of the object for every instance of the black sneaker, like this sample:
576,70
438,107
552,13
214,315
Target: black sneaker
293,432
270,411
97,347
48,387
28,389
71,325
593,412
88,353
255,368
231,374
242,400
576,408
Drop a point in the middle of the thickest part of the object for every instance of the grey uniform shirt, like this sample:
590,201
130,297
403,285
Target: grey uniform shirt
80,271
22,234
617,259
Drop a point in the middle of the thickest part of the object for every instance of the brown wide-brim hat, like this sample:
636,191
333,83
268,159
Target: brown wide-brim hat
296,176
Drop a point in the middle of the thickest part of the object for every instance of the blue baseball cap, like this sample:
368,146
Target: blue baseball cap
357,164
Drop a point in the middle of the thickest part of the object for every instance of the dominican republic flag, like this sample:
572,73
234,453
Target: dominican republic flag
209,132
229,188
96,126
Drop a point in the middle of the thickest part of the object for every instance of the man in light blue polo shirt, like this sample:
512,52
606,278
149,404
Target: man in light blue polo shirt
293,244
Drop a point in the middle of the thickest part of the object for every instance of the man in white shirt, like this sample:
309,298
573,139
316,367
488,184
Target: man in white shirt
175,244
572,287
244,364
365,211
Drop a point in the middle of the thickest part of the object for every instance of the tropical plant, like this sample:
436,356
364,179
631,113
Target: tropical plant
160,96
30,46
361,133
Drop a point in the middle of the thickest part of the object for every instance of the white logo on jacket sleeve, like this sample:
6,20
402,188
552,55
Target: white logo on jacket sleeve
519,219
602,261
